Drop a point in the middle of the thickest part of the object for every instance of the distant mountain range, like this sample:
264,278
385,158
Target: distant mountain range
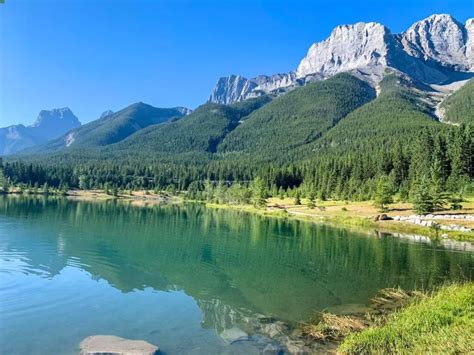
48,125
60,128
362,85
112,127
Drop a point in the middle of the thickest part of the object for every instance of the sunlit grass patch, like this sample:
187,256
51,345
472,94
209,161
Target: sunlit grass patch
442,322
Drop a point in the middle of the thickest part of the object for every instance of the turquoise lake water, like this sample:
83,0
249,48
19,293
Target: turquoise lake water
187,278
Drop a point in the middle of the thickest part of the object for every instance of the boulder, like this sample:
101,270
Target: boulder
113,345
233,334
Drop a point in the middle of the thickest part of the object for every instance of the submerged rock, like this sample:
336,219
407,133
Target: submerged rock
113,345
234,334
272,349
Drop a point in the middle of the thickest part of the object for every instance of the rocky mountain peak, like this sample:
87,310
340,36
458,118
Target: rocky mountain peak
469,26
106,113
47,125
347,48
231,89
435,50
184,110
58,117
440,38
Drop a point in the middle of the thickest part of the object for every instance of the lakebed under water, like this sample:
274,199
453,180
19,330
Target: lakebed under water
187,278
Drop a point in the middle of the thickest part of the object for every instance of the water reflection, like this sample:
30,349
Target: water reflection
238,268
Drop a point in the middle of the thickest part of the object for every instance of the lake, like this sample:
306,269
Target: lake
186,278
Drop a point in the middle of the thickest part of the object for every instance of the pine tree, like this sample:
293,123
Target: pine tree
106,188
3,179
312,198
220,192
383,194
423,201
209,190
259,194
281,193
298,198
83,182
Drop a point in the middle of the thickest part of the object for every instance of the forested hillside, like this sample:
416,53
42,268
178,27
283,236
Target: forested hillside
332,140
459,105
112,128
395,139
297,118
397,114
197,134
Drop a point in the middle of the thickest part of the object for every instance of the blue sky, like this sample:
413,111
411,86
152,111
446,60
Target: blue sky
94,55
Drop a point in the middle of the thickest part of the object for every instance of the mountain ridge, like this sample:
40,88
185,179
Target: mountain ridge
435,50
113,127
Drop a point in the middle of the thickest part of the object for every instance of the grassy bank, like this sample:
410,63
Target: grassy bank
440,322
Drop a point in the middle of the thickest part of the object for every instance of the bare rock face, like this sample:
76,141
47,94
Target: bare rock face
184,110
232,89
349,47
112,345
440,38
432,51
106,113
274,82
469,26
52,123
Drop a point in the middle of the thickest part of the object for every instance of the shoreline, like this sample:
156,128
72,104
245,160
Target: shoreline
357,223
356,215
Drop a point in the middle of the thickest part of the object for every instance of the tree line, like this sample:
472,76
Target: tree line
438,165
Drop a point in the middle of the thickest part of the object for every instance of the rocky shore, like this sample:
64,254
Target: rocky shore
431,220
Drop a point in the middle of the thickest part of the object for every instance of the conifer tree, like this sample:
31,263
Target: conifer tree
298,198
383,194
259,193
423,201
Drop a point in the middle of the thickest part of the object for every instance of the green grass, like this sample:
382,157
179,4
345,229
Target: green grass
442,322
